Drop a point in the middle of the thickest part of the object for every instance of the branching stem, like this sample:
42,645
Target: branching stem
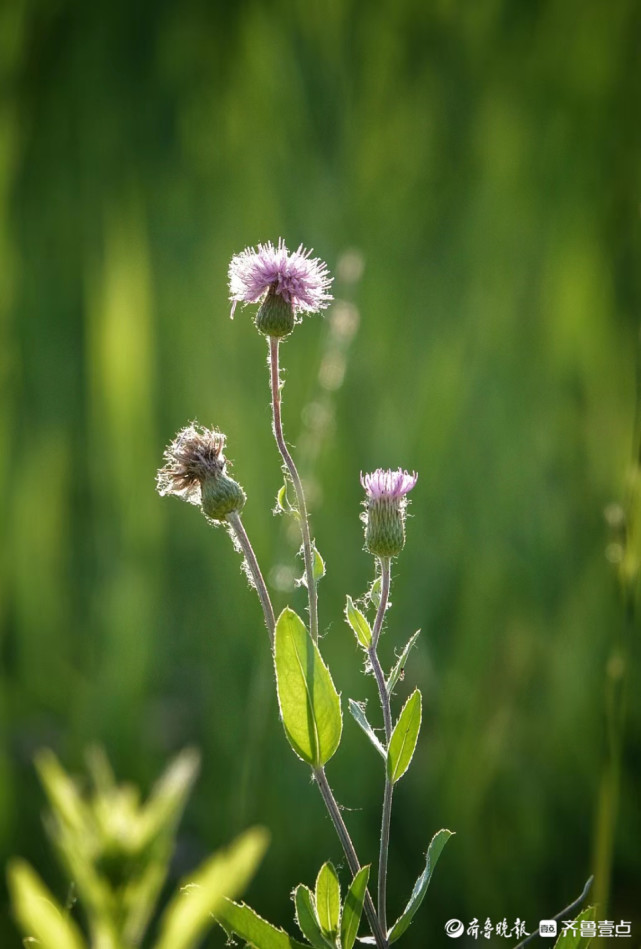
277,425
378,931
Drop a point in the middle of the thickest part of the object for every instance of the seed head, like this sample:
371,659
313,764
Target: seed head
196,470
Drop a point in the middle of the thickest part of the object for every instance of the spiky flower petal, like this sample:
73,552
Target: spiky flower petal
301,281
385,483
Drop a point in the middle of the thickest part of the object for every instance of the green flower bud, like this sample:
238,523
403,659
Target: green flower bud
220,496
385,528
275,316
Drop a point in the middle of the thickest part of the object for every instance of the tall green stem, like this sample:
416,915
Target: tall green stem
387,721
277,423
609,790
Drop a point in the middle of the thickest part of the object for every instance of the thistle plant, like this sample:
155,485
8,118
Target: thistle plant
285,286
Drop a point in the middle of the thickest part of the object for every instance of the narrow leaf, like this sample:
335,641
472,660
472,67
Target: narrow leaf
399,668
375,592
319,566
328,900
359,624
309,703
37,911
306,917
353,908
281,500
240,919
318,570
358,714
169,796
283,504
574,937
64,797
404,738
225,874
420,887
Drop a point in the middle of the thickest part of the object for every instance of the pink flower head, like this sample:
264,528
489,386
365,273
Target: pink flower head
302,281
385,484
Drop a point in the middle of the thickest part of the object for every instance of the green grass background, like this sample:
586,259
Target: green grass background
483,160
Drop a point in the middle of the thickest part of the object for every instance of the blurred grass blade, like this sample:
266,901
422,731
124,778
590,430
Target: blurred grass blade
420,887
240,919
328,900
404,737
62,792
306,917
223,875
353,908
358,714
168,796
309,703
38,913
399,668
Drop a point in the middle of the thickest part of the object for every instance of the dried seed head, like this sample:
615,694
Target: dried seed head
195,470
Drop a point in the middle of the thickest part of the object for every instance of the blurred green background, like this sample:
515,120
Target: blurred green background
472,173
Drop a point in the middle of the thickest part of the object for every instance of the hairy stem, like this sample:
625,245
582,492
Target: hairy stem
387,720
378,931
277,424
236,525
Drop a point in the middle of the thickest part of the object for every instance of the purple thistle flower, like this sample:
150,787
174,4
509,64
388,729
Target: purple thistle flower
385,484
385,510
302,281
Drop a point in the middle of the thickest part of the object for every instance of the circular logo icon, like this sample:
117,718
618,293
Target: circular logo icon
454,928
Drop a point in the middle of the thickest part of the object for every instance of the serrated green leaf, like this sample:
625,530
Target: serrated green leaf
420,887
223,875
375,592
281,500
306,917
241,919
404,738
318,570
319,566
573,939
399,667
38,913
283,504
358,714
359,624
309,703
328,900
353,908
